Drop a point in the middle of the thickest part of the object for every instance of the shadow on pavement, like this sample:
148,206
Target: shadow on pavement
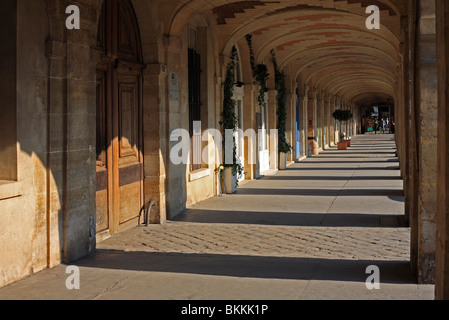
324,178
322,192
341,168
290,219
244,266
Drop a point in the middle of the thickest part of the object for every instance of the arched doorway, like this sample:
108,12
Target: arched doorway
119,120
239,94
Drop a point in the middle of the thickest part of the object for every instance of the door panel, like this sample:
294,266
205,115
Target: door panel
119,127
128,121
129,207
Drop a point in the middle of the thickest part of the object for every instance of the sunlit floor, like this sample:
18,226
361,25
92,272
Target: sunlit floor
308,232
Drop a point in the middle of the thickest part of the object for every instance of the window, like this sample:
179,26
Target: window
238,70
194,61
8,91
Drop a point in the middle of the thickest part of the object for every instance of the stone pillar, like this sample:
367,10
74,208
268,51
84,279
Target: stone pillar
155,138
272,125
341,125
56,53
426,117
353,120
326,141
72,127
331,120
320,120
311,122
249,122
175,118
336,124
401,119
290,124
303,119
349,122
410,115
442,237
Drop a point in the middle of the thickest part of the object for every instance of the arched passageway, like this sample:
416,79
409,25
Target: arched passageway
164,73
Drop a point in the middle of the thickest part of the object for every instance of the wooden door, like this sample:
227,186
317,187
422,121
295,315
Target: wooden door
119,125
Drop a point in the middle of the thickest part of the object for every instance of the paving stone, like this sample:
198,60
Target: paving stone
310,255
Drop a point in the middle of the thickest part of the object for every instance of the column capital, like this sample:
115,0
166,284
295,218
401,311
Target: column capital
302,92
320,95
312,93
172,43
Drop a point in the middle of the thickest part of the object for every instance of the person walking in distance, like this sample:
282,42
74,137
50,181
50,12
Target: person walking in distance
382,126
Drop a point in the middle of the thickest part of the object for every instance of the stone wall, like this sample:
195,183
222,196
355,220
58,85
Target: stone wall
47,200
24,202
442,236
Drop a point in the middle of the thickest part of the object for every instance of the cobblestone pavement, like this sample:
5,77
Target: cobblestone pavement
297,214
283,241
307,232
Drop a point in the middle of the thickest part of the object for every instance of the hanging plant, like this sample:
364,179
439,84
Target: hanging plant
249,40
284,146
260,72
229,118
342,115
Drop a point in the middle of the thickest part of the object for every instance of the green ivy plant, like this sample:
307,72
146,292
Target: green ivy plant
284,146
260,72
342,116
229,118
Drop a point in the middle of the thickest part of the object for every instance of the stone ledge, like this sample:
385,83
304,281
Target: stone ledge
10,189
301,158
199,174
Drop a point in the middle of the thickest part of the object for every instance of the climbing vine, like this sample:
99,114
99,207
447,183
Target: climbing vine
229,118
284,146
260,72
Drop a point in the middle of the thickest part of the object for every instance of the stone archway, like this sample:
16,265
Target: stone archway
154,75
119,129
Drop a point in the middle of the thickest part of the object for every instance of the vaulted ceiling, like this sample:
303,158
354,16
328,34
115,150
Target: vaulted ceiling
324,44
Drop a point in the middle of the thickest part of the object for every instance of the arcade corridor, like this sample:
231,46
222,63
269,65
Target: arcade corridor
116,114
308,232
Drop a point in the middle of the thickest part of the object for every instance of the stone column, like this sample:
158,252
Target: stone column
354,119
410,115
348,123
72,127
303,119
311,116
249,122
426,117
337,124
401,119
331,121
326,141
320,120
290,123
272,125
155,138
176,116
442,237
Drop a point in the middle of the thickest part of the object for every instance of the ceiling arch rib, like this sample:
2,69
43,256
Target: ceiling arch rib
354,73
324,69
322,42
319,34
348,90
304,58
